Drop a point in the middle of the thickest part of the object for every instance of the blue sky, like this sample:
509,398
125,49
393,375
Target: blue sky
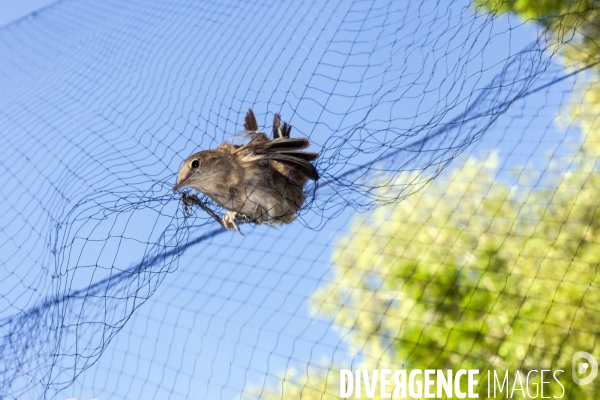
104,100
15,9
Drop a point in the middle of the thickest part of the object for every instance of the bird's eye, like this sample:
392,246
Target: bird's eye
195,164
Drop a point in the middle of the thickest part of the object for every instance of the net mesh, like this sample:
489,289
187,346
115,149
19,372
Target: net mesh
454,224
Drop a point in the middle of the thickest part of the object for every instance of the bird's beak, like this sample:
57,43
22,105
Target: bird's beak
178,186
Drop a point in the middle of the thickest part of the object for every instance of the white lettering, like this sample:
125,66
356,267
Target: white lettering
542,385
504,382
444,383
346,390
384,382
517,379
556,379
400,385
473,383
370,388
428,383
533,384
459,394
412,384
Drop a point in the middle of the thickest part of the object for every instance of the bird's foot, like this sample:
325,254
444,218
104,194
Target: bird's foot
231,219
188,200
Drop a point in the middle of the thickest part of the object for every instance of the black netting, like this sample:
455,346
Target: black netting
108,289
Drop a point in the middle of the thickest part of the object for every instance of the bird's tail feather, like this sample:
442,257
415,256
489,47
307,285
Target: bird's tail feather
250,124
280,130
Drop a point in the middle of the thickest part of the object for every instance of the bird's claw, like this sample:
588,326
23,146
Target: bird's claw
188,200
231,219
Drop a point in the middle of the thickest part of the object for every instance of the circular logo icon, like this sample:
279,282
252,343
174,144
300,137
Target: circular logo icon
581,367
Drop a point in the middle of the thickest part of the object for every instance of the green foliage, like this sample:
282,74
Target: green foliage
543,10
575,23
474,273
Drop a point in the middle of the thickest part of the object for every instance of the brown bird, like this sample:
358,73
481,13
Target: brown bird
260,182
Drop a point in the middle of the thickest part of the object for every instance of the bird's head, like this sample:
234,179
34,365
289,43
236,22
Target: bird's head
192,171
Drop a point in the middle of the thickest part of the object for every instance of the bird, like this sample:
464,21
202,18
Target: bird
261,182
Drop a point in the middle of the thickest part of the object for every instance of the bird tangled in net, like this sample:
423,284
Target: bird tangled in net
260,182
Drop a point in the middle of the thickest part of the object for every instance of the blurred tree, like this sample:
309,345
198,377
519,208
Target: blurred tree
471,274
572,22
475,273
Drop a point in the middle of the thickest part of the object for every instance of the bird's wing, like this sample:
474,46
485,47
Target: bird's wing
284,150
278,145
301,154
298,163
